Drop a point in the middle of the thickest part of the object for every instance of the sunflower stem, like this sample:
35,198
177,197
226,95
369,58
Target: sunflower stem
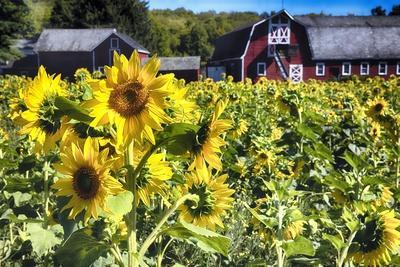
46,193
132,241
117,255
153,235
343,254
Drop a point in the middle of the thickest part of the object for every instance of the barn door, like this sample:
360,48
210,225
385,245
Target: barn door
296,72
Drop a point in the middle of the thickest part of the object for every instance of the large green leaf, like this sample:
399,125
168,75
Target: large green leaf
42,239
205,239
307,132
178,137
72,109
354,160
120,204
335,240
300,245
267,221
81,250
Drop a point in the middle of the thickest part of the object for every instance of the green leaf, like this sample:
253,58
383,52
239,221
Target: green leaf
307,132
120,204
300,245
323,152
205,239
81,250
42,239
267,221
27,163
179,137
354,160
335,240
72,109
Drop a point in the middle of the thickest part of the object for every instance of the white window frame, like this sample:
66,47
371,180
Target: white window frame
320,64
111,43
379,68
361,69
398,68
258,69
344,73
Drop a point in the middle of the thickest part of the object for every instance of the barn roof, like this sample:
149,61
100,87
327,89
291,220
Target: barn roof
55,40
232,45
352,37
177,63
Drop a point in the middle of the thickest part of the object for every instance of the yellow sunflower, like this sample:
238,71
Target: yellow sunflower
377,239
377,106
265,160
214,199
375,131
183,110
86,179
240,129
43,124
131,98
152,177
293,229
208,141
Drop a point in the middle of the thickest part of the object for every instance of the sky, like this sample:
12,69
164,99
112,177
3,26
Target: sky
295,7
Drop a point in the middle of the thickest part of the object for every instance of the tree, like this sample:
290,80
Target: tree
378,11
195,42
129,16
13,25
395,11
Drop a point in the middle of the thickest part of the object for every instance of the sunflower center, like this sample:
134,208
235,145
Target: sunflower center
206,202
370,236
201,137
86,182
129,99
49,118
378,107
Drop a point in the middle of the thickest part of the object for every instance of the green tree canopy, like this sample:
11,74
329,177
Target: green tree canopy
378,11
129,16
13,24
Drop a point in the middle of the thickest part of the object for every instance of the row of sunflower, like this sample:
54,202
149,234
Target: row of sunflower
123,169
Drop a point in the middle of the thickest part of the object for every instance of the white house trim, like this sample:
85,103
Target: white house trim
379,68
346,73
361,69
259,64
398,68
323,69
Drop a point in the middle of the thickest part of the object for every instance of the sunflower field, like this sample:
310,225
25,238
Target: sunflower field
131,168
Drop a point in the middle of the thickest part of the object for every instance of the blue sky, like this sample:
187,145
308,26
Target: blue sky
295,7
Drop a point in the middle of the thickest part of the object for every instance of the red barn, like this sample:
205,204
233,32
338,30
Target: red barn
309,47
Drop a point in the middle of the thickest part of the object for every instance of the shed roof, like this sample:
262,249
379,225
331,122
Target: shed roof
352,37
55,40
177,63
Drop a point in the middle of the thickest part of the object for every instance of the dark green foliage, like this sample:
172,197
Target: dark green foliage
130,17
395,11
13,24
378,11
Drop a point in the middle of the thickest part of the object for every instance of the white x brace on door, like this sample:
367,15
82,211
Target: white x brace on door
296,72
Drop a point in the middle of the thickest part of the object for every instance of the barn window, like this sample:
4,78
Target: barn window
261,69
398,68
346,68
364,68
114,42
320,69
279,30
382,68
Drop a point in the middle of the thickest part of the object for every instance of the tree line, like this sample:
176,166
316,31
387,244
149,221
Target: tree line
178,32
